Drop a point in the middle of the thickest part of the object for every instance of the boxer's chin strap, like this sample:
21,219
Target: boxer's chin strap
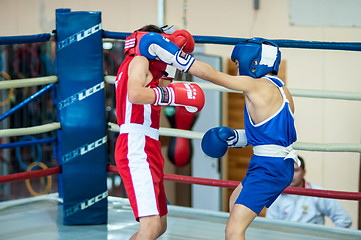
271,150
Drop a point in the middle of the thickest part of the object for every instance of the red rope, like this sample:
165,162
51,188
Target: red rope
324,193
234,184
195,180
27,175
201,181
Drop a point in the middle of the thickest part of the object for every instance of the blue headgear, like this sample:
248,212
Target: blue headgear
257,57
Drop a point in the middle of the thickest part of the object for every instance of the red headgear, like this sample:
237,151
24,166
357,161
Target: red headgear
182,38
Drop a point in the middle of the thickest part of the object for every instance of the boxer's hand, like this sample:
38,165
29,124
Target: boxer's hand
212,145
233,137
216,141
153,45
189,95
227,135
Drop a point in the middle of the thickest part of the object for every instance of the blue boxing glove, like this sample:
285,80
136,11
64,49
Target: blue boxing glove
212,145
153,45
216,141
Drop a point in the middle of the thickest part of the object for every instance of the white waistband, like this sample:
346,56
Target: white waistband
140,129
276,151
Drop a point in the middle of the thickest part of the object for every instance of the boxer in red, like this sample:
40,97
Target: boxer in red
141,90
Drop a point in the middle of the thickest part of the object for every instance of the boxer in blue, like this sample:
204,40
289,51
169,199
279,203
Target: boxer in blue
269,122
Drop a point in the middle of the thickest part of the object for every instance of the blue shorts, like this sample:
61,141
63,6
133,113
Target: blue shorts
265,180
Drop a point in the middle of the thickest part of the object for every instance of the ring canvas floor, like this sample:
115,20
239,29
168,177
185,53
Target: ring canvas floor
41,218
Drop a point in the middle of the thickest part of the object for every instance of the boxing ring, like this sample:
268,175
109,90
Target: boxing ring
48,216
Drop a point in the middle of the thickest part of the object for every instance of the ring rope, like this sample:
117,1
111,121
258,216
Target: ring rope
173,132
341,95
324,193
234,184
288,190
348,46
28,82
195,180
26,101
11,90
328,147
27,143
109,79
30,130
28,175
319,147
27,181
170,132
43,37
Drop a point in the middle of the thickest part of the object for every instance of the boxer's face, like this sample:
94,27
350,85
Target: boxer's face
298,177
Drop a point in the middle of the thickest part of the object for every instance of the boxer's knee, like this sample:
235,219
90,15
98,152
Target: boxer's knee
152,227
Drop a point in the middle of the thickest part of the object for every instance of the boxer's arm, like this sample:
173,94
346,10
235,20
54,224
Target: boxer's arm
137,76
155,46
207,72
189,95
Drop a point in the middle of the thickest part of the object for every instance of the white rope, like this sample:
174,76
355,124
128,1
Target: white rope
109,79
27,82
172,132
318,147
113,127
328,147
30,130
295,92
356,96
169,132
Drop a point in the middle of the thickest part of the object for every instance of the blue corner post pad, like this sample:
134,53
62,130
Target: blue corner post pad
82,139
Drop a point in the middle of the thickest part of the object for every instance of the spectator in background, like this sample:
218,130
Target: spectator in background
307,209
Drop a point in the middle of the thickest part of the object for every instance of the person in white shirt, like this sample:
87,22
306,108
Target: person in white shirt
307,209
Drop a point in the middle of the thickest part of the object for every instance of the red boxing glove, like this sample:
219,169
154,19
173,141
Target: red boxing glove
189,95
184,40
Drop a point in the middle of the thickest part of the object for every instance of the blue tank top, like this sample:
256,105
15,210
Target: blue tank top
279,129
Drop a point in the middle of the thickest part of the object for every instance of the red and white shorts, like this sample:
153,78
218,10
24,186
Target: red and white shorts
140,164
